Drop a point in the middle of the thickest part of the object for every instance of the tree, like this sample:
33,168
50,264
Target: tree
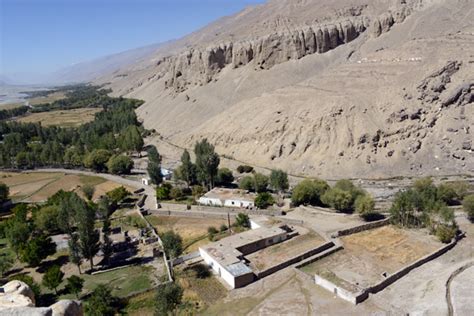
168,298
264,200
120,164
172,244
37,249
187,170
242,220
260,182
207,162
74,285
163,191
53,278
17,233
88,240
132,139
279,180
74,251
468,206
6,262
309,192
154,166
117,195
46,218
339,199
101,302
4,192
225,177
88,191
97,160
247,183
107,249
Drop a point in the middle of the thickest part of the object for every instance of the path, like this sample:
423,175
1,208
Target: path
449,292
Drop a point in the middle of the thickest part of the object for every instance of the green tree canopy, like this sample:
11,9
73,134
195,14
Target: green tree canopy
242,220
120,164
468,206
53,278
279,180
97,160
264,200
207,162
163,191
225,177
247,183
37,249
172,243
74,285
339,199
168,298
4,193
88,191
260,182
101,302
309,192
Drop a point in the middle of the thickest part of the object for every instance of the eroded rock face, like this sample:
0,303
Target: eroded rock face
67,308
199,66
17,293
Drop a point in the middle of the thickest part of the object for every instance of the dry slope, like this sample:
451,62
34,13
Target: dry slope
343,88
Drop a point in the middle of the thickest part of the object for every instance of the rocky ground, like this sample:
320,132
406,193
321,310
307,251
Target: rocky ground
347,89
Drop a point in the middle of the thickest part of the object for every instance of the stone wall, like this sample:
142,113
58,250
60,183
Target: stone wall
361,228
312,252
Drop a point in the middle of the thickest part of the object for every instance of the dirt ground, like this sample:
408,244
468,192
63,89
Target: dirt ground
366,255
64,118
286,250
39,186
192,230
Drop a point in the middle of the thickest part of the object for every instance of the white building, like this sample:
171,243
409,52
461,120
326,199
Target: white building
228,198
226,257
166,173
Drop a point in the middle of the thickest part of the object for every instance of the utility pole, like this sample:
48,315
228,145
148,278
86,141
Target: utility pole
228,223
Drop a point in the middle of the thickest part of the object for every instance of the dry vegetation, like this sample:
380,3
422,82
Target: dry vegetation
38,186
64,118
368,254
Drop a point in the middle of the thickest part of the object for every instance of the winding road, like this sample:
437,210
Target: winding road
449,294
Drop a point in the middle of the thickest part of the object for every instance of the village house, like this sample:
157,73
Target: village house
228,198
166,173
226,256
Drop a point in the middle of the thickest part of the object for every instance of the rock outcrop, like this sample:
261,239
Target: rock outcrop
199,66
17,298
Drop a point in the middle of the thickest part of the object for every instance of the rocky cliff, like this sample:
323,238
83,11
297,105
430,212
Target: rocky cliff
358,88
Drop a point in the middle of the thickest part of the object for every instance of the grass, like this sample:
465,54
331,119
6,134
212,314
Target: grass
141,305
63,118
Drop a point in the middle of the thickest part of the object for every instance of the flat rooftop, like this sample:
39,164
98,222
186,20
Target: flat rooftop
226,253
229,194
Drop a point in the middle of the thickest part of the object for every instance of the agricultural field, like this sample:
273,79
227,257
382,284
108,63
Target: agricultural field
192,230
63,118
39,186
369,254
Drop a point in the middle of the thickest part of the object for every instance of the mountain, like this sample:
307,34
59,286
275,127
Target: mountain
107,65
341,88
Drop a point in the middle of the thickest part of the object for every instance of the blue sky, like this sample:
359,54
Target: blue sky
40,36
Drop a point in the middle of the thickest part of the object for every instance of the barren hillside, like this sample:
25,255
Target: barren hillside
338,88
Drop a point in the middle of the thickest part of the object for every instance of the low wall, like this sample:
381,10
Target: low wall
360,228
218,209
321,256
405,270
192,214
312,252
358,297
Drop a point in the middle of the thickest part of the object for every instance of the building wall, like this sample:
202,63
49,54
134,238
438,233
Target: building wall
210,201
238,203
263,243
223,273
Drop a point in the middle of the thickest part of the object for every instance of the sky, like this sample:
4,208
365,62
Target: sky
41,36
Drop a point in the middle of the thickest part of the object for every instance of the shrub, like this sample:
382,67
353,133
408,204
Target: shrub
244,169
468,206
74,285
176,193
4,192
101,302
247,183
223,228
212,231
338,199
445,233
118,194
242,220
264,200
163,191
364,205
168,298
198,191
279,180
88,191
309,192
